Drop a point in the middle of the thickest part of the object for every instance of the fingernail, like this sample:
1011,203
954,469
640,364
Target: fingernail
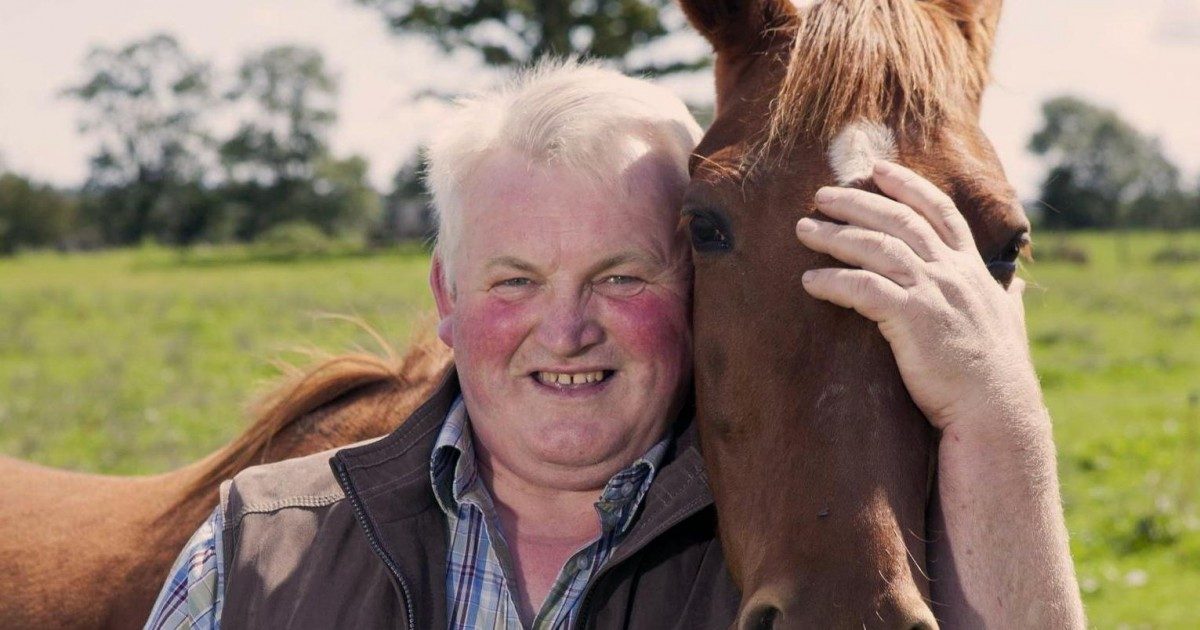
806,225
883,167
808,276
825,194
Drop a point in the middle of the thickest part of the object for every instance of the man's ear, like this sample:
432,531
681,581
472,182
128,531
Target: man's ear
443,295
738,26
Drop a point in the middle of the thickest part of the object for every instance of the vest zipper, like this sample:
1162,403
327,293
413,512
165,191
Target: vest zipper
361,517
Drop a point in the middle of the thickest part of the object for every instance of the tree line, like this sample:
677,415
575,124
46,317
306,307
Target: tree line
1102,173
163,171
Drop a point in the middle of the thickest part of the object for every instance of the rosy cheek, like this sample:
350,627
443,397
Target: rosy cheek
652,326
491,330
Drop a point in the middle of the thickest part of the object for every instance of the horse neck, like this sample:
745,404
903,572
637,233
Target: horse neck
345,399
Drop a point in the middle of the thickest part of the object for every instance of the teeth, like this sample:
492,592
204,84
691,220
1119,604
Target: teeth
561,378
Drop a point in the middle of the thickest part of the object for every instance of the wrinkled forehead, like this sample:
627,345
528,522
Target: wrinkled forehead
631,169
653,172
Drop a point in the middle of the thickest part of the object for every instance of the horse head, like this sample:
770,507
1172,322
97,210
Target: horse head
820,463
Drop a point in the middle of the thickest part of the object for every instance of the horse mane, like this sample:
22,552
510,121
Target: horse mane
898,62
307,390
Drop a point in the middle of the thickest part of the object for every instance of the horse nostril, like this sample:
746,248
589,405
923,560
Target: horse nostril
921,625
761,617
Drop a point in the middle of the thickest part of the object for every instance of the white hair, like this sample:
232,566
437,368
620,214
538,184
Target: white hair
857,148
561,112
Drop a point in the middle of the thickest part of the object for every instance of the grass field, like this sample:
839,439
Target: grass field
142,360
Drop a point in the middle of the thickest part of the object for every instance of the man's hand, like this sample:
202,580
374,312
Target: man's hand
958,336
998,556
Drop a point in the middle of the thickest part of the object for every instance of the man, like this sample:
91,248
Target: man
517,496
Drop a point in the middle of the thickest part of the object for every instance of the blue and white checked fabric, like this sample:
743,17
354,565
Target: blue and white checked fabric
193,594
477,581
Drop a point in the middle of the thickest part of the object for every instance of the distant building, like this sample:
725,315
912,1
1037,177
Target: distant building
407,219
408,211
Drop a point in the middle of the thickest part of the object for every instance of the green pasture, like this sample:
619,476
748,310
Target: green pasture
141,360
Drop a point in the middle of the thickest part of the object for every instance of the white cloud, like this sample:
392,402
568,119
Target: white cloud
1179,22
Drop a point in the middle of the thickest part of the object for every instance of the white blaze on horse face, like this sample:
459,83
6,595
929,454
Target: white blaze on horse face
854,152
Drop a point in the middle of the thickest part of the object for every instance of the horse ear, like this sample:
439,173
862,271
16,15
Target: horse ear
734,26
978,20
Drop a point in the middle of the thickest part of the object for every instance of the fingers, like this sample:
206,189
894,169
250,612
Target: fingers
870,294
877,212
915,191
874,251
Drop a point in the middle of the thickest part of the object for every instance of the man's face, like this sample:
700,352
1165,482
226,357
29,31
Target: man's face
568,313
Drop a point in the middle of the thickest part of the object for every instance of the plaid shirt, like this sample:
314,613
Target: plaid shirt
192,596
478,562
479,570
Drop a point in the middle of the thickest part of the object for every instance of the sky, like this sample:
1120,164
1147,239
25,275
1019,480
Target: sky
1140,57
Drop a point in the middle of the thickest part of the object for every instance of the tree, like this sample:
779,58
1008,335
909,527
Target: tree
1103,172
279,165
146,103
290,96
517,32
32,215
343,201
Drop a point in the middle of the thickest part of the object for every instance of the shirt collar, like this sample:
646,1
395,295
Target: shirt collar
452,467
623,494
453,473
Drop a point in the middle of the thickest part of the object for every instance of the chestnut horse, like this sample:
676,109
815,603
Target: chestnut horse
819,461
92,551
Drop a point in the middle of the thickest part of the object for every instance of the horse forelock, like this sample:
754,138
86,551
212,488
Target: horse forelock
905,64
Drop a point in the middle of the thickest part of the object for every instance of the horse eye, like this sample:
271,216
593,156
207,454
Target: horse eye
1004,266
1012,251
707,234
1002,271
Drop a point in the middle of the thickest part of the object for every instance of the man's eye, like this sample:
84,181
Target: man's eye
621,285
514,282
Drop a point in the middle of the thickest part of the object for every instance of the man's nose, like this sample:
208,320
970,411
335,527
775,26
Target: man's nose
569,327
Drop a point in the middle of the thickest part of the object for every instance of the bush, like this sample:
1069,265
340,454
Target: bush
1175,255
295,239
1061,250
31,214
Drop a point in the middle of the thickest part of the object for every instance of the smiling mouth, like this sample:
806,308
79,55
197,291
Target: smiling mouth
572,380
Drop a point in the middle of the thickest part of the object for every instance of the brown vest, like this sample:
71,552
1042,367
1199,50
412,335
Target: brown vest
354,539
